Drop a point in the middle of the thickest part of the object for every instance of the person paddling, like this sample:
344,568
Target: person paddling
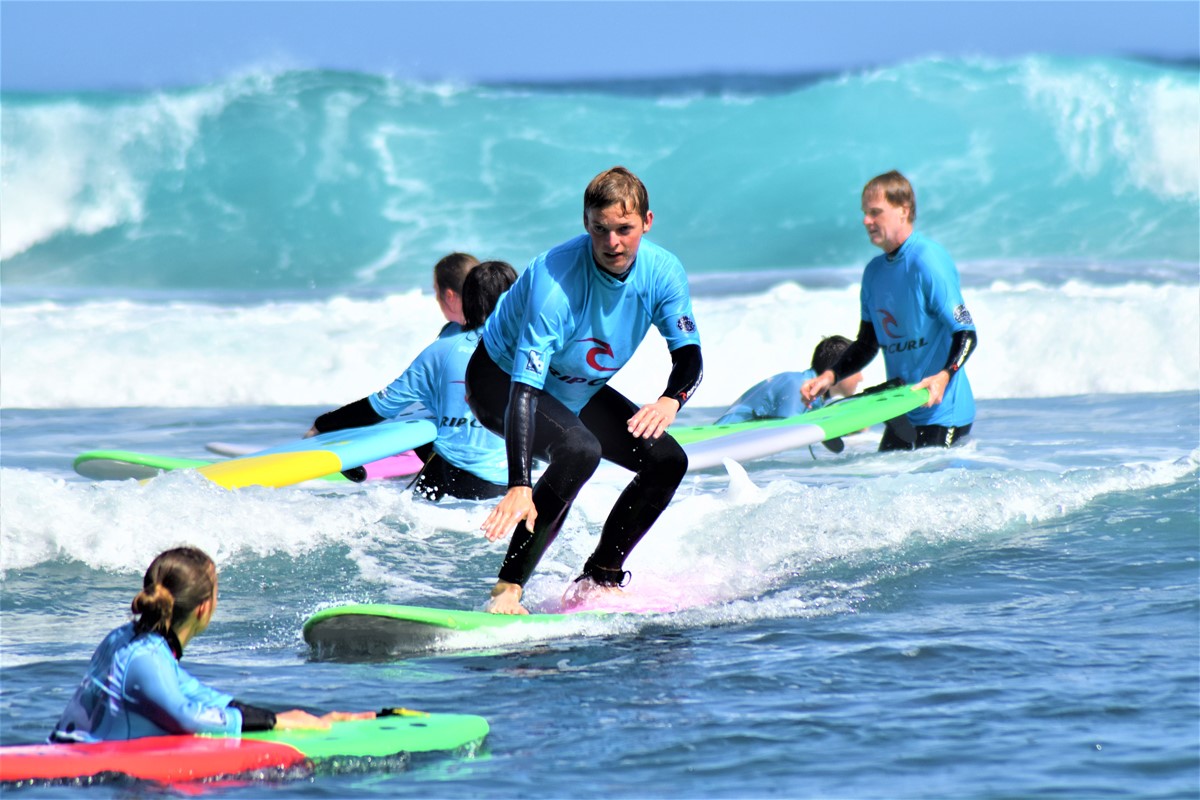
135,687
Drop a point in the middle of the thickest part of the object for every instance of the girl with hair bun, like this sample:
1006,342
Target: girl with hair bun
134,686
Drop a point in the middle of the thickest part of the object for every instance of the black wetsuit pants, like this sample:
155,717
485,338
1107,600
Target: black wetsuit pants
925,436
439,478
572,446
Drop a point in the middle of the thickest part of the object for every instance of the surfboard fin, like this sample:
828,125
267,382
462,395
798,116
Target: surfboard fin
356,474
741,488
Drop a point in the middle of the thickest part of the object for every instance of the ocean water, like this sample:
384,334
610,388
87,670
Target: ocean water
1016,617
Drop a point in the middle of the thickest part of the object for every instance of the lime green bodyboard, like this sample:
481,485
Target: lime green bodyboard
836,419
405,731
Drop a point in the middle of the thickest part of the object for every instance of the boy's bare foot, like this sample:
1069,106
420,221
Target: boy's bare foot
506,599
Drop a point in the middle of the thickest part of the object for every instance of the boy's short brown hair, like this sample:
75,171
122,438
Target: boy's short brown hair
617,187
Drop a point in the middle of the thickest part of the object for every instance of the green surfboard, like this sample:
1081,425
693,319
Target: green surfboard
382,630
709,445
401,731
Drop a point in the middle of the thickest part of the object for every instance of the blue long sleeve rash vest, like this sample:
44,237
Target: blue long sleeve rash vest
566,326
134,687
914,303
435,379
777,397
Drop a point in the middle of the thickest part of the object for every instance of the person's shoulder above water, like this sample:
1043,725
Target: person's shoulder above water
776,397
658,255
567,251
450,329
920,245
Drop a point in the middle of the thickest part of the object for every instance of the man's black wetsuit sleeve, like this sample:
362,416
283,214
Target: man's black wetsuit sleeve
355,415
687,370
518,432
961,346
253,717
860,352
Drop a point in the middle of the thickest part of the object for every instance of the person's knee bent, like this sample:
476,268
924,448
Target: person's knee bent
577,453
665,463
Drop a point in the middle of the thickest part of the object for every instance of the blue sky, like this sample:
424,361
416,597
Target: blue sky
58,46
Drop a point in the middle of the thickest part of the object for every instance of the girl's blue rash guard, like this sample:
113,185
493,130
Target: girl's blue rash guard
134,687
435,379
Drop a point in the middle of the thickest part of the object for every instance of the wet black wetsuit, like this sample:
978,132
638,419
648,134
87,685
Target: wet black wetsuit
540,376
573,446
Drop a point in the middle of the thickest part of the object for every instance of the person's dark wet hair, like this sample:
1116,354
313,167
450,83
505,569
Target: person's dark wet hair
175,584
482,289
827,352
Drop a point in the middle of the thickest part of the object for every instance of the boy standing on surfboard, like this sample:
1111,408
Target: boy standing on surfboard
570,322
913,308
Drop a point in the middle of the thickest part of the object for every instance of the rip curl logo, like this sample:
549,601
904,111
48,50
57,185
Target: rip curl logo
686,324
602,348
533,362
886,321
962,316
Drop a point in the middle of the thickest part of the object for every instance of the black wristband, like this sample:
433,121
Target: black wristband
253,717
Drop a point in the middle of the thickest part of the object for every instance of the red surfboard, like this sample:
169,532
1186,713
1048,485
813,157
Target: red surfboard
166,759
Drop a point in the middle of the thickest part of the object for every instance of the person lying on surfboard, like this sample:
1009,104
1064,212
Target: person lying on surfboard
134,686
911,305
778,397
467,460
571,321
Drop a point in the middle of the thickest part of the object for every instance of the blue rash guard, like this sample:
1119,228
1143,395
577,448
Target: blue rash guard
566,326
134,687
450,329
778,397
913,301
435,379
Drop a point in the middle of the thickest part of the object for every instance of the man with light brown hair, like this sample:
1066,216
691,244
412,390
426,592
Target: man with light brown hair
912,308
540,378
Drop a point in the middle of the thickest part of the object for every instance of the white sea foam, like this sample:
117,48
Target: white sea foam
711,545
1145,127
1034,341
82,169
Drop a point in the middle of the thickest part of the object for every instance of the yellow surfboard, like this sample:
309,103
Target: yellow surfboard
307,459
